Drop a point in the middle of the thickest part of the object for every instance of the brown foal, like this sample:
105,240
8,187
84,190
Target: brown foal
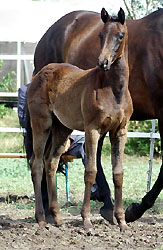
95,101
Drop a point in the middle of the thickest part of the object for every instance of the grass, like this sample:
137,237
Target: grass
15,177
11,142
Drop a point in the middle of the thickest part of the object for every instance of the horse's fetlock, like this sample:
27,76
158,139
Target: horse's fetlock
119,215
89,179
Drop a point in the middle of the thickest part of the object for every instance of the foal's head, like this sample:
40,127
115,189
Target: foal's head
113,38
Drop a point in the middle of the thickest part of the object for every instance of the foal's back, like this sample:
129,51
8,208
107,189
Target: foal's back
83,95
62,86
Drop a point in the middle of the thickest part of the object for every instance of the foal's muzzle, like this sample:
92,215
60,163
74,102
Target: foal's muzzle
104,64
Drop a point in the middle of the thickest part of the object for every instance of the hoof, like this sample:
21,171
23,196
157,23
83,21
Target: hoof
123,227
87,225
42,223
132,212
108,215
58,221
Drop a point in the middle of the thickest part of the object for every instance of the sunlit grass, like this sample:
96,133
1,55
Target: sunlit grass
11,142
10,119
15,178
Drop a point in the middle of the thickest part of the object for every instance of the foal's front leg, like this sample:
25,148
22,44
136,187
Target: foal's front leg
91,142
118,141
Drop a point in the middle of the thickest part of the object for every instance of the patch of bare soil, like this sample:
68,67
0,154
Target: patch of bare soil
18,230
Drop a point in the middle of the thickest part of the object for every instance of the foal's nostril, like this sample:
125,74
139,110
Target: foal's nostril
102,62
106,61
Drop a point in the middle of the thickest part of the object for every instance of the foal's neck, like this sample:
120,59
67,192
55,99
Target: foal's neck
115,76
114,80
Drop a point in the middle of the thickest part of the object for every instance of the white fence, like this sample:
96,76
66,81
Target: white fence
18,57
152,136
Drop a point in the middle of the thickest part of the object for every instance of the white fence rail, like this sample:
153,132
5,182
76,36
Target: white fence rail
152,136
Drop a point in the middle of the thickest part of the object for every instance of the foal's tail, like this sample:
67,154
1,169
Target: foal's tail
28,140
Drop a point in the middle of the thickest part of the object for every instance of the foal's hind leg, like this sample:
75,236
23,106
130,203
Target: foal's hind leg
40,129
59,139
91,142
118,141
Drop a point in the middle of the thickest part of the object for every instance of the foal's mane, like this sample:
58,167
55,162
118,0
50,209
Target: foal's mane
114,19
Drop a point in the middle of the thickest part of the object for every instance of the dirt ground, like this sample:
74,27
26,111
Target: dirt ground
18,230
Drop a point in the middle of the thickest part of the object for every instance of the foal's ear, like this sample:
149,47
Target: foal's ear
121,16
104,15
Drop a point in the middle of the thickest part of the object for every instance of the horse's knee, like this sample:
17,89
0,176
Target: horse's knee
37,169
118,179
90,176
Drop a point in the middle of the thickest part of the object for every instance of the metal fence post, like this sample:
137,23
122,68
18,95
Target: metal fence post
152,141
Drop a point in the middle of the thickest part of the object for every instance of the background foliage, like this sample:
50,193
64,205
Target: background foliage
140,8
8,82
141,146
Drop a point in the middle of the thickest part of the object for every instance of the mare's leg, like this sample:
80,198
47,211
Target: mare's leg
136,210
104,191
91,142
118,141
41,129
59,139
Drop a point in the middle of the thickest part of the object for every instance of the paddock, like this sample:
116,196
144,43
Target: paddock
19,230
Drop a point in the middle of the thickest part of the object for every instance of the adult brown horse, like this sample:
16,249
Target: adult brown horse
95,101
75,39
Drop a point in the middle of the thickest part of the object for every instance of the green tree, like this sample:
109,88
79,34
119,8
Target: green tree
139,8
141,146
8,82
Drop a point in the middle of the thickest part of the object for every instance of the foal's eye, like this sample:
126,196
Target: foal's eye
120,35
